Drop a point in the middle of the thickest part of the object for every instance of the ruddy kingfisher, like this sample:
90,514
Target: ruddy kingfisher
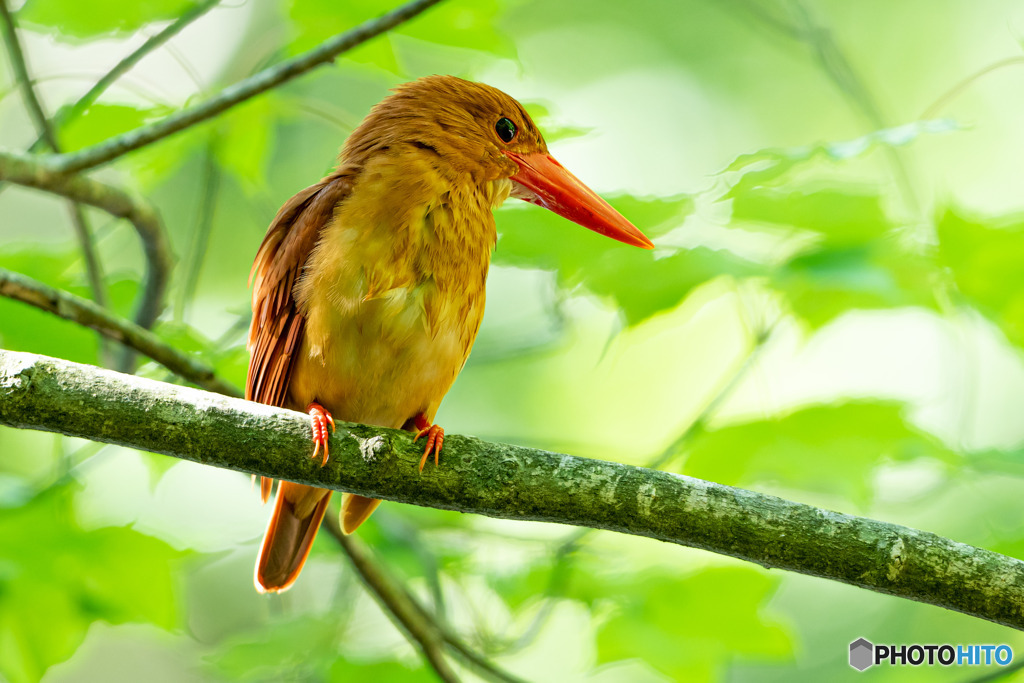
369,285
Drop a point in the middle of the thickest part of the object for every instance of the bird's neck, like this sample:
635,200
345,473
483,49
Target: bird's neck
439,222
410,233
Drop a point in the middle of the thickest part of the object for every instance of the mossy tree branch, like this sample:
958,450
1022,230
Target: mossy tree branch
32,172
512,482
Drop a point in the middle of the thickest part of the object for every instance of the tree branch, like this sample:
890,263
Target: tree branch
75,110
33,172
408,613
48,136
84,312
420,625
239,92
396,601
21,75
511,482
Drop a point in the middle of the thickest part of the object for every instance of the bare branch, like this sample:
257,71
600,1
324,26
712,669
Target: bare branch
84,312
421,626
48,136
121,68
511,482
32,172
209,185
21,75
395,601
271,77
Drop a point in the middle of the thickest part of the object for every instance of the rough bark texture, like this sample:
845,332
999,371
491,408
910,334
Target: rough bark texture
511,482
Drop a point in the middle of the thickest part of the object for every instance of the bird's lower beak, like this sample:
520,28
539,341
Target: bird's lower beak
543,181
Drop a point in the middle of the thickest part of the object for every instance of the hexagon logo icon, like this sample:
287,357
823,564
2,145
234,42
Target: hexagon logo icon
861,654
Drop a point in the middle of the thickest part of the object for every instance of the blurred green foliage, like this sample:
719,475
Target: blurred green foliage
117,16
58,579
834,313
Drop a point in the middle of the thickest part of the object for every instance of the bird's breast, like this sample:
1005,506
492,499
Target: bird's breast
393,298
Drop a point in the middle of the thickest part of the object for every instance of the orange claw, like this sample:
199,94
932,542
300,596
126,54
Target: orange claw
435,439
321,418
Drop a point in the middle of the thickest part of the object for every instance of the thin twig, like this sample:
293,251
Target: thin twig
93,269
951,94
404,606
20,68
396,602
48,136
209,184
325,53
34,172
408,535
66,114
844,76
84,312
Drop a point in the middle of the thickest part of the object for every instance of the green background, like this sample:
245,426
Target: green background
834,314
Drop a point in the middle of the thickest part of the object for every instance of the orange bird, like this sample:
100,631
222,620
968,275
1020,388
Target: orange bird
369,285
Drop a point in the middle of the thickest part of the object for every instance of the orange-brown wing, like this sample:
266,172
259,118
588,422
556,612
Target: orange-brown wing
275,333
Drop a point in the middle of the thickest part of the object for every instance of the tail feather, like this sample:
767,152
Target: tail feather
355,510
298,511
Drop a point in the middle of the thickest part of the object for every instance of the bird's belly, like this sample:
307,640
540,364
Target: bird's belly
375,365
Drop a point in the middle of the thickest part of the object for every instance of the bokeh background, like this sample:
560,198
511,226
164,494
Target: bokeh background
834,314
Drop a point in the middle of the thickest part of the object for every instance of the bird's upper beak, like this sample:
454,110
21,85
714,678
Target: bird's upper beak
543,181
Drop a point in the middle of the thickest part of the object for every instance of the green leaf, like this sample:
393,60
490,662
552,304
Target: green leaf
56,579
854,263
822,285
986,261
843,217
830,449
344,671
26,328
689,626
86,20
245,140
548,126
102,121
772,163
468,24
302,647
640,283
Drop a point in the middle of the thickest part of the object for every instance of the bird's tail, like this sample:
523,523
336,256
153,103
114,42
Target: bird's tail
289,538
355,510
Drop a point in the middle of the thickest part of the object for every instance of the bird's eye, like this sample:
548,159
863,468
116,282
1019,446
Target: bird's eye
505,129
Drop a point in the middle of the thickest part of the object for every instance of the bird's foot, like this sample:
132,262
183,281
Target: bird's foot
435,439
321,418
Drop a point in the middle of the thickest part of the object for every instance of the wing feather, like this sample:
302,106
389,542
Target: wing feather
275,333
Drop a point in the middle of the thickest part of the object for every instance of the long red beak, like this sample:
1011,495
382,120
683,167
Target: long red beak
543,181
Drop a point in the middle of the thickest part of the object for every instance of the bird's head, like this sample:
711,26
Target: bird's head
476,130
